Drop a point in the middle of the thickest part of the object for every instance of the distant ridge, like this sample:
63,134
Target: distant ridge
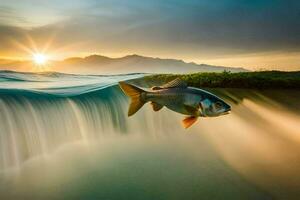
98,64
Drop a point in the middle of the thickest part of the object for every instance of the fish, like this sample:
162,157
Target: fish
177,96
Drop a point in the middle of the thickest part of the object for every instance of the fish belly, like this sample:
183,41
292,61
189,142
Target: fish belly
179,109
174,101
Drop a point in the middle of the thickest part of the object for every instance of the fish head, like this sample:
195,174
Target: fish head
214,106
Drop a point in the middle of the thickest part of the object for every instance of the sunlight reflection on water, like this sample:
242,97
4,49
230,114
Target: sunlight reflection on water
85,147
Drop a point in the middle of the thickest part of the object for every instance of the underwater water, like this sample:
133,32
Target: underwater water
69,137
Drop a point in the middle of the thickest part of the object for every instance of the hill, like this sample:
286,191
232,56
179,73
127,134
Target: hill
97,64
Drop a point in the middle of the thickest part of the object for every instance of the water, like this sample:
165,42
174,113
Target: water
69,137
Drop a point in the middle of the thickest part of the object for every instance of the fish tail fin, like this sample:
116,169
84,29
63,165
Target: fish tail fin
135,94
189,121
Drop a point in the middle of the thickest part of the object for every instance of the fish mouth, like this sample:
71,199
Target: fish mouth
226,112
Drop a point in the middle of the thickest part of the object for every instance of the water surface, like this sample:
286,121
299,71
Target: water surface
69,137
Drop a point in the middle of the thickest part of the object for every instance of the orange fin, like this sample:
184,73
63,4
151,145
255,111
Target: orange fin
156,106
189,121
136,98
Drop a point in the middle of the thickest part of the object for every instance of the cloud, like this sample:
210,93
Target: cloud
9,16
171,27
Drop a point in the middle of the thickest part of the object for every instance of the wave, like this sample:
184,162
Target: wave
57,84
42,111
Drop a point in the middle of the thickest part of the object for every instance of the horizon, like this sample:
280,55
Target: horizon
254,35
40,63
49,62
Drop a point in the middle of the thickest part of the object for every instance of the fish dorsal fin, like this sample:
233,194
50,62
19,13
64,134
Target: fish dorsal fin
176,83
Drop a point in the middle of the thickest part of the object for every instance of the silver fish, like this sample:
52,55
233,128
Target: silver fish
177,96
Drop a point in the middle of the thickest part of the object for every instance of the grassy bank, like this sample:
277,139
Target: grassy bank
253,80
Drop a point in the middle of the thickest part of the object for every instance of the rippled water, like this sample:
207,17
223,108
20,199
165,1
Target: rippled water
68,137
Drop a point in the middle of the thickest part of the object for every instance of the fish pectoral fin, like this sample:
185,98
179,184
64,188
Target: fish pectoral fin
156,106
189,121
192,110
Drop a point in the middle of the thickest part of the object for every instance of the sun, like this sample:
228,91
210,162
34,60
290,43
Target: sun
40,59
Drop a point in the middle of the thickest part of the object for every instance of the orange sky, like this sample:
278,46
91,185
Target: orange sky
257,35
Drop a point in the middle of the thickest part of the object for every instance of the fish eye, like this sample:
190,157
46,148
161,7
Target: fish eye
218,105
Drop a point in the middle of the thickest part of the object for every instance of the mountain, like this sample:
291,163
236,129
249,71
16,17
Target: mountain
97,64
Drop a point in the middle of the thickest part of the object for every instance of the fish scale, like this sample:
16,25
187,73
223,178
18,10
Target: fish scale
178,97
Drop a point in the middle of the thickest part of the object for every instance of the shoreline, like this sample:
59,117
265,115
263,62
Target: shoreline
244,80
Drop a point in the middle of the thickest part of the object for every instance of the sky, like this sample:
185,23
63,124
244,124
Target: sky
256,34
